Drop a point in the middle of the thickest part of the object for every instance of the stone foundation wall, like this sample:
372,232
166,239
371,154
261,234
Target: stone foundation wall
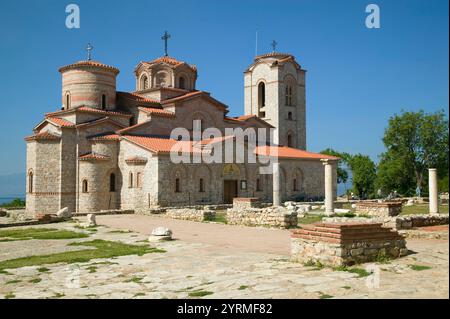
412,221
382,209
191,214
242,203
337,244
277,217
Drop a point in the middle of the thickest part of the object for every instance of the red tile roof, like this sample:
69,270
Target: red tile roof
157,112
138,98
171,61
107,137
60,122
88,63
289,152
86,109
43,136
136,160
93,157
162,145
100,120
194,94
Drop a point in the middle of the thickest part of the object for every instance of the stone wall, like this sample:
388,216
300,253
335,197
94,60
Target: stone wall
277,217
191,214
412,221
337,244
379,209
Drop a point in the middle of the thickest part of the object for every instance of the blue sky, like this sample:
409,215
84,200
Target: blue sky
356,79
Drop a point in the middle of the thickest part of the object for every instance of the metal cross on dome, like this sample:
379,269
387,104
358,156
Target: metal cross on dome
274,45
165,38
89,49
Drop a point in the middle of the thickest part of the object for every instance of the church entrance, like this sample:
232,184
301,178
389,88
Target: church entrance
230,191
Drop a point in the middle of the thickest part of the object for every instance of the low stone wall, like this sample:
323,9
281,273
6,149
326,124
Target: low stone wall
376,209
277,217
338,244
107,212
245,203
190,214
412,221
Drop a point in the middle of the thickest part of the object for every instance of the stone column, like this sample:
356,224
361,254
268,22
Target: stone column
433,191
329,200
276,185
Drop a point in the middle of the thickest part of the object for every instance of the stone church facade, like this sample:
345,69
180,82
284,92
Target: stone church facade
107,149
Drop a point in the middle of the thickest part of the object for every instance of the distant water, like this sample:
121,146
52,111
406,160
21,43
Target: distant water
9,199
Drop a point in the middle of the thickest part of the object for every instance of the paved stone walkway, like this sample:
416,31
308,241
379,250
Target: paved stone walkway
218,266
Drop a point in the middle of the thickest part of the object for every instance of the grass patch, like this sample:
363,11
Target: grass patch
119,232
103,249
135,279
382,258
4,272
310,219
39,233
16,281
422,209
91,269
359,271
35,280
200,293
221,218
419,267
316,264
10,295
324,296
350,215
139,294
58,295
43,269
346,287
242,287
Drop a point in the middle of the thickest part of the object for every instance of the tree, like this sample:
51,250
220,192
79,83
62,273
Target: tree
414,141
342,174
364,175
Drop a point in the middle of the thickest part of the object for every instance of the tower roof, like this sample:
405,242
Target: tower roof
94,64
274,58
167,60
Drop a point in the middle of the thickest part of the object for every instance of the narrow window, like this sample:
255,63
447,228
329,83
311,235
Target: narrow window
144,82
289,115
130,180
85,188
294,188
258,185
261,98
181,83
289,140
30,182
288,95
68,101
201,188
112,183
103,102
138,179
177,186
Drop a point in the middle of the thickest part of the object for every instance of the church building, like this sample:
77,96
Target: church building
106,149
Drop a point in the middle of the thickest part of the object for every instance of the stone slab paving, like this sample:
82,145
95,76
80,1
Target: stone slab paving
227,268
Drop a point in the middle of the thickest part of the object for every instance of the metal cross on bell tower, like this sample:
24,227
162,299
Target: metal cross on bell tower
165,38
89,49
274,45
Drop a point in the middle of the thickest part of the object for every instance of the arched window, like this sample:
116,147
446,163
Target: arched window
197,125
261,98
201,185
85,187
103,102
130,180
258,185
294,185
177,185
289,115
182,83
112,182
288,95
30,182
67,101
289,140
144,82
138,179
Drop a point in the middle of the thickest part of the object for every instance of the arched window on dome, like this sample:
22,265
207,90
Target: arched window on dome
144,82
182,83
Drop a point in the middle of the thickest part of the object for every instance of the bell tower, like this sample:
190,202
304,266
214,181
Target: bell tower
274,90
